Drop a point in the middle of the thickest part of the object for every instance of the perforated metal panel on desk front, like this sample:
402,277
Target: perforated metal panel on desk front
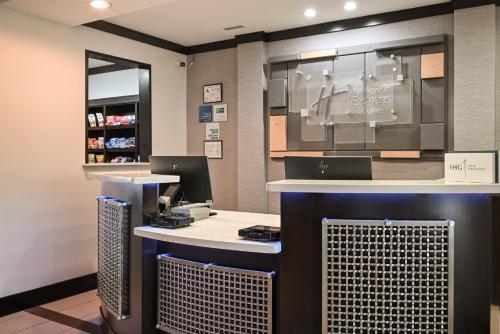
113,255
387,277
199,298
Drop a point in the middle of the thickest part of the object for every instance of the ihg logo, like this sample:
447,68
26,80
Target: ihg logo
323,166
458,167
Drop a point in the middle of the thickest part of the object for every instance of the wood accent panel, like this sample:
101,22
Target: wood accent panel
275,154
277,133
319,54
400,154
432,66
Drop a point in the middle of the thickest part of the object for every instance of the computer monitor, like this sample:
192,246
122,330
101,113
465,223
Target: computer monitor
328,168
193,172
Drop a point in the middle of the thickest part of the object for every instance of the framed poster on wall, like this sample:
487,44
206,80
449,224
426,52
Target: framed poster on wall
213,149
212,93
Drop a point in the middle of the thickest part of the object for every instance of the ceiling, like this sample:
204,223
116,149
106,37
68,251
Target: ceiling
93,63
191,22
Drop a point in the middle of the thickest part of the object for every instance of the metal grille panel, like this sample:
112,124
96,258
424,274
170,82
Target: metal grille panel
113,254
387,277
200,298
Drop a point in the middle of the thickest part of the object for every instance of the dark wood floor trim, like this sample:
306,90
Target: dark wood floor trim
28,299
67,320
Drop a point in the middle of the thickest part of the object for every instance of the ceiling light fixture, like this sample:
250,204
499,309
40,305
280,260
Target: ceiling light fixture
310,12
350,5
100,4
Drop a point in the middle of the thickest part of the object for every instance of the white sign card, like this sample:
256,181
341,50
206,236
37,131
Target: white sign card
219,113
212,93
213,149
212,131
470,167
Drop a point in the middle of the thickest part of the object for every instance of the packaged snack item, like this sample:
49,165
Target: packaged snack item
100,158
110,120
92,122
100,119
100,142
93,143
92,159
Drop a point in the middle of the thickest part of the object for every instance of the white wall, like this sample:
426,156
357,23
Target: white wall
47,208
113,84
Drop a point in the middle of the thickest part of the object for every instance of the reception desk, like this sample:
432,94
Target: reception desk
388,256
198,279
354,257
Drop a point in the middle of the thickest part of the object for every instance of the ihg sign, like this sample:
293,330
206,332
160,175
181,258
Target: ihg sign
470,167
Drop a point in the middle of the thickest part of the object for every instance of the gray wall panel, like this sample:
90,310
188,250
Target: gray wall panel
252,195
210,67
433,100
475,78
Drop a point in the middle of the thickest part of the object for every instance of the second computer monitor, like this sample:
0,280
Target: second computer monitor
193,172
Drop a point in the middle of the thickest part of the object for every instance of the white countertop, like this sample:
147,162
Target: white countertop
121,164
133,177
220,231
381,186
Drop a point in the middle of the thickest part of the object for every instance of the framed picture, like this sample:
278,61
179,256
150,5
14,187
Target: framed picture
212,93
219,113
213,149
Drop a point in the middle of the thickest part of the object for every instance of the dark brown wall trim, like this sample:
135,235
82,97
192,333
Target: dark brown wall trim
213,46
461,4
322,28
107,69
47,294
136,36
362,22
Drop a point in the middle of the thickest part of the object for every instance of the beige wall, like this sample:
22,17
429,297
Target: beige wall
47,208
216,67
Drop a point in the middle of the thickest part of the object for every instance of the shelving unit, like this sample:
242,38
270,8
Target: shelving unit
119,106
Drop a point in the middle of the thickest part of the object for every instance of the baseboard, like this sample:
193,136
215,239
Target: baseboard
24,300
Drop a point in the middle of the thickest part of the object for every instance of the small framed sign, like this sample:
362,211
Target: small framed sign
213,149
212,93
205,114
219,113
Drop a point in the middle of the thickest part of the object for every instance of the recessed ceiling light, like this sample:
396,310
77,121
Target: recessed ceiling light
100,4
310,12
350,5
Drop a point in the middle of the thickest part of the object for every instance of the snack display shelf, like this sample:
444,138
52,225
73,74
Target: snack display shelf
125,149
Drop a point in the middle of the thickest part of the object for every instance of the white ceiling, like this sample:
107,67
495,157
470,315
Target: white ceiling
77,12
190,22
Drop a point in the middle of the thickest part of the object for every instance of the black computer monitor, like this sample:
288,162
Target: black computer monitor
328,168
193,172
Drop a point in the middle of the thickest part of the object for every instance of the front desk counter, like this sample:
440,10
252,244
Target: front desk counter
354,257
198,279
388,257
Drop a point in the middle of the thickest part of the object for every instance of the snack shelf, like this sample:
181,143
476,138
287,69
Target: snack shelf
120,150
119,127
109,108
